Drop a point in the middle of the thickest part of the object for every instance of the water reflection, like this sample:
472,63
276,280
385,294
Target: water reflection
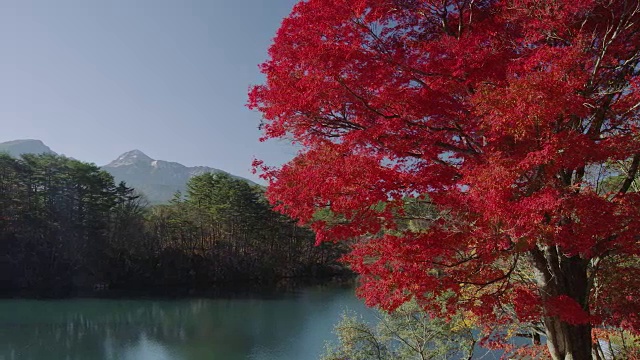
292,326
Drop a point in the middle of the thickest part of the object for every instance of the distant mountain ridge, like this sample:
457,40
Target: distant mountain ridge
15,148
158,180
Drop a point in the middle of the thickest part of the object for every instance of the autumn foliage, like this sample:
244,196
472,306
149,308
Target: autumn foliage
501,118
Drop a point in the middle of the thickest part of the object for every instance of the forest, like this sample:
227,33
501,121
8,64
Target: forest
65,226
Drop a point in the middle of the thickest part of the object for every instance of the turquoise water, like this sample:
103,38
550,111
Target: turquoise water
286,326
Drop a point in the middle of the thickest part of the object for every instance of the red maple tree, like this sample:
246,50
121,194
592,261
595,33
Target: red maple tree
501,118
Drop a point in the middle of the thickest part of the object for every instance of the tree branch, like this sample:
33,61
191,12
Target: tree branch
631,175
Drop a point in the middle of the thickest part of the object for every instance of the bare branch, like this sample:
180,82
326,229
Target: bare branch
631,174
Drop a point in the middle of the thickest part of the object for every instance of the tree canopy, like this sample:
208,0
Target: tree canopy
499,114
406,333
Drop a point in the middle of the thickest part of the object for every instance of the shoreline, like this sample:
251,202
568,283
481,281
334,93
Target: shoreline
238,289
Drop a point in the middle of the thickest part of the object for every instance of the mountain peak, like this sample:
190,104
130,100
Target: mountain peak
131,157
157,179
135,154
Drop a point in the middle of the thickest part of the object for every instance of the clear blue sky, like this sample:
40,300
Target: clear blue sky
96,78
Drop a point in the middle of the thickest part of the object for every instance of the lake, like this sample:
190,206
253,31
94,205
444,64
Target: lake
286,326
294,325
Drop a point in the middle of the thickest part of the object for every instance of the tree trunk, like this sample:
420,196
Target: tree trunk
557,274
566,341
